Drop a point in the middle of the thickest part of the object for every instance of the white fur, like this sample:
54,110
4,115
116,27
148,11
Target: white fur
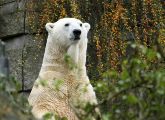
76,88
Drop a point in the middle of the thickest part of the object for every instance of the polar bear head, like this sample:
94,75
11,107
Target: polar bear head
67,31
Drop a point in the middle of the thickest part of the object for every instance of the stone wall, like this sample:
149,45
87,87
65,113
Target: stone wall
25,57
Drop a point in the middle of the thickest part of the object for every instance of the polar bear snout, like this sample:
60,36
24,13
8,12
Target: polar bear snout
76,33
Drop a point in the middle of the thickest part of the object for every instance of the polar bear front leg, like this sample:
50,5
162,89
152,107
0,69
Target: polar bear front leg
73,52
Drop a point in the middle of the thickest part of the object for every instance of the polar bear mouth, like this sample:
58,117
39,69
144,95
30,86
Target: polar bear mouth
76,38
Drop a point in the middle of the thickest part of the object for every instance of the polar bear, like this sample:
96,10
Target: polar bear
66,37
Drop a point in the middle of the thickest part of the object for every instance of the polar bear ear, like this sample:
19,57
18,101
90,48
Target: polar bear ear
49,26
87,26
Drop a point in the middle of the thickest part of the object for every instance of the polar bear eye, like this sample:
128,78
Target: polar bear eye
67,24
80,24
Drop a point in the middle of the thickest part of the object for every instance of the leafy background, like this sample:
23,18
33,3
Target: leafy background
125,58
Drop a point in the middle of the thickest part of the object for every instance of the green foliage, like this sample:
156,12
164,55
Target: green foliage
42,83
68,60
51,116
57,84
139,93
14,106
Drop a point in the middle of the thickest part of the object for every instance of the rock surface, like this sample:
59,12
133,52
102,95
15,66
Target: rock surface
24,52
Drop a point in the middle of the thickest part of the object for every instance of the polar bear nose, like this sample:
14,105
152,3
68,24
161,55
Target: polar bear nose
77,32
